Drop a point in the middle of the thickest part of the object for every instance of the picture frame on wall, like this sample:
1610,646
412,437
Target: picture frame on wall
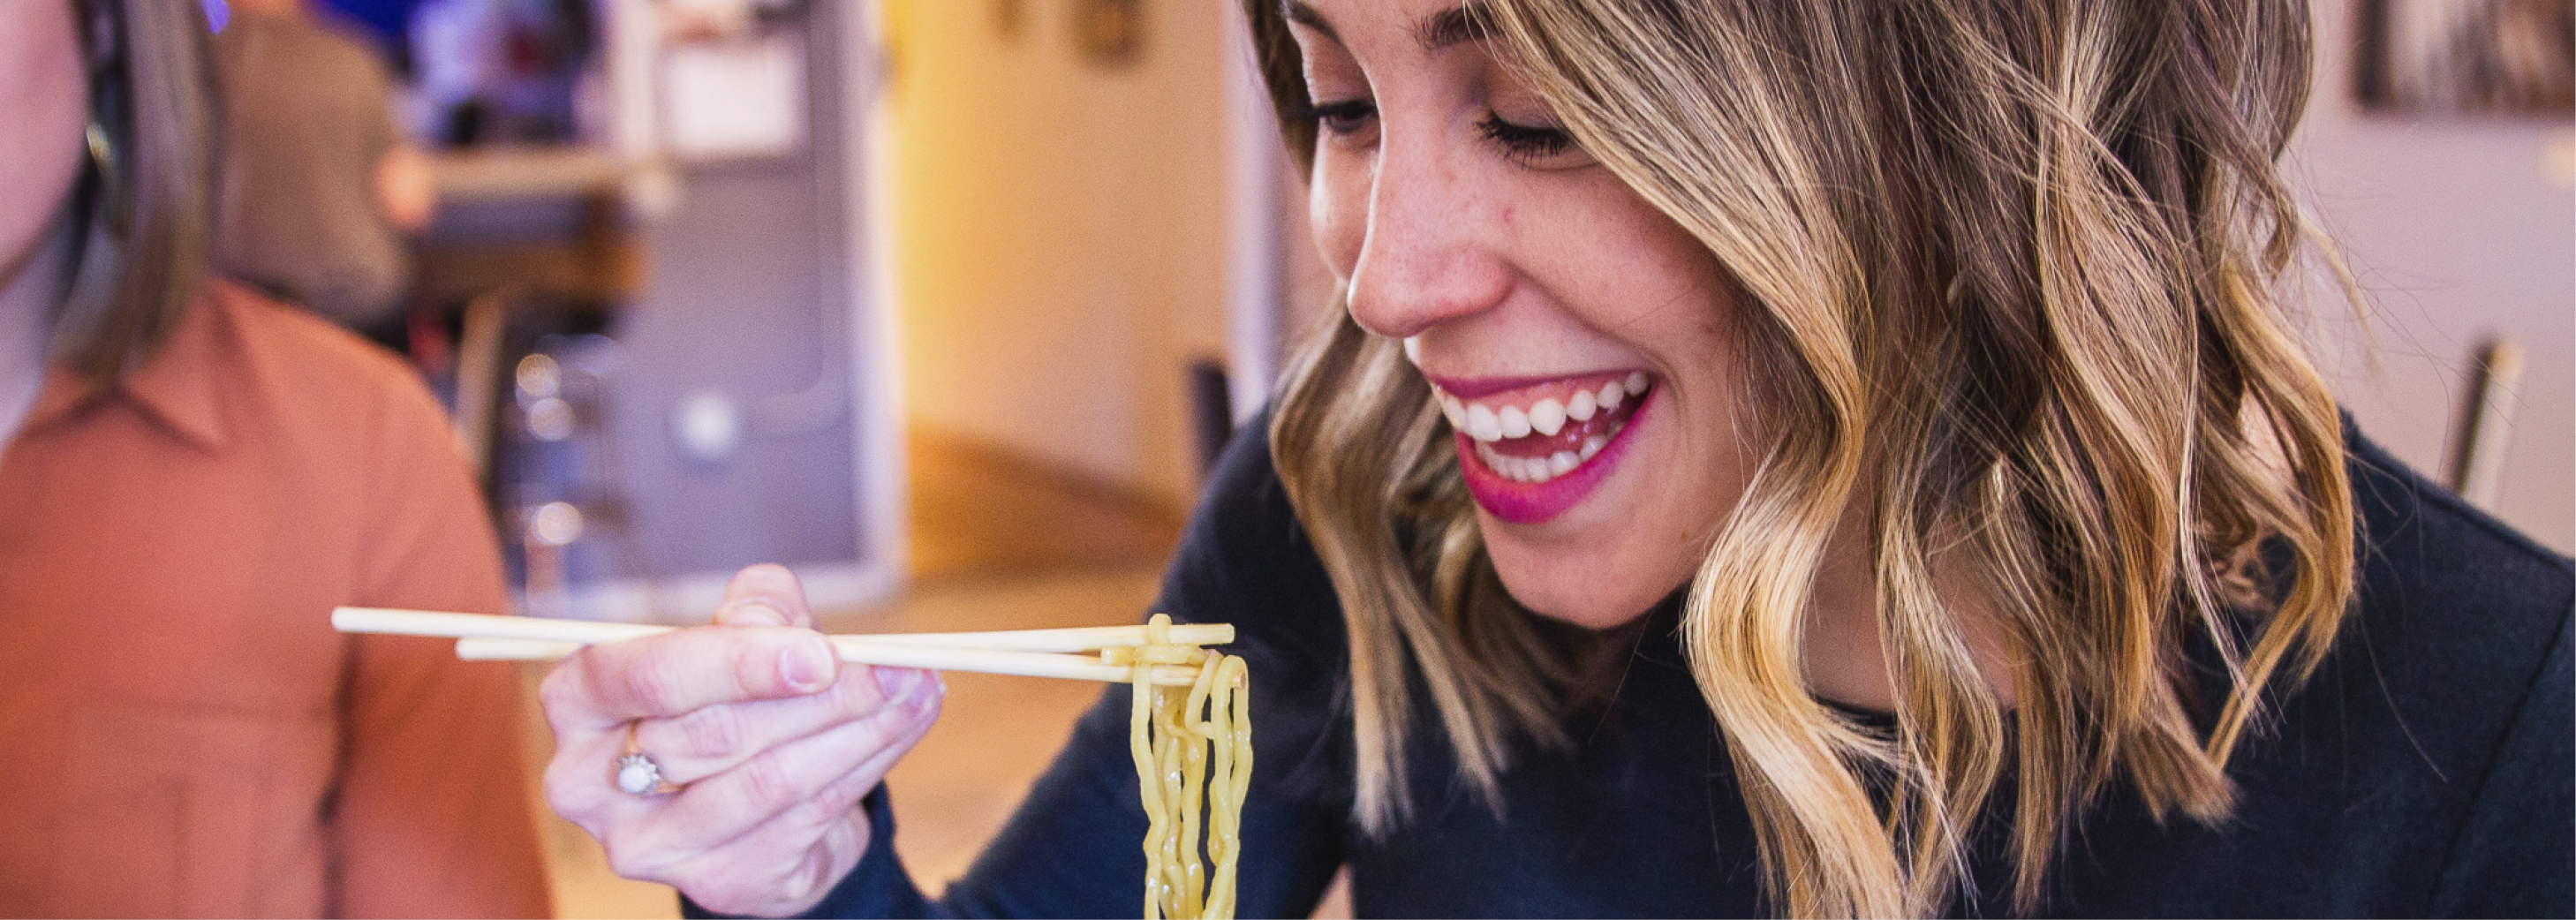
2477,57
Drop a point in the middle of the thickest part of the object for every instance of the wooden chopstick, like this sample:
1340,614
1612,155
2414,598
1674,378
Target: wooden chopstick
1030,653
585,632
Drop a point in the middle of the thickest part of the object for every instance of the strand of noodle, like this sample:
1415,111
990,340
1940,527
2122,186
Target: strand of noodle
1140,745
1167,790
1193,745
1229,724
1174,886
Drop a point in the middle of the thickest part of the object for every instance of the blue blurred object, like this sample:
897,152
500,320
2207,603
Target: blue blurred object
386,18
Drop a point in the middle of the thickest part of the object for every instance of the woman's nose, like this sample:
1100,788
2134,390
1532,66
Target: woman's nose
1430,253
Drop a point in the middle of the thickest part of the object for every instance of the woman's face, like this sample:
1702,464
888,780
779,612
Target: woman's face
1578,338
41,114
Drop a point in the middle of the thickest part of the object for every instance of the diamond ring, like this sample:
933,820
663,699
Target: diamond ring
637,773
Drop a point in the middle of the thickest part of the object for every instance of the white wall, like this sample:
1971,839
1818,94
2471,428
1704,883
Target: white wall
1060,233
2459,231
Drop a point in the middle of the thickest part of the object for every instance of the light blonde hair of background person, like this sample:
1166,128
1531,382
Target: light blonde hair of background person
2014,272
146,220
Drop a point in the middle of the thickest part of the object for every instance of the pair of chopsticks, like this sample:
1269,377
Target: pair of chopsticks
1027,652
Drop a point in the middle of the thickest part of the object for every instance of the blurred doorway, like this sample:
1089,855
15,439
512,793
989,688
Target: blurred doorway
1059,191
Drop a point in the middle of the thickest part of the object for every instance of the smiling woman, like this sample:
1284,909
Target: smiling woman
1896,290
1820,459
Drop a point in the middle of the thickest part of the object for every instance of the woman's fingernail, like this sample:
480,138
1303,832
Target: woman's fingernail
897,683
752,611
807,666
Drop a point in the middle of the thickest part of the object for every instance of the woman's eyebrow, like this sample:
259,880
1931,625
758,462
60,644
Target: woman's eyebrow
1467,22
1298,12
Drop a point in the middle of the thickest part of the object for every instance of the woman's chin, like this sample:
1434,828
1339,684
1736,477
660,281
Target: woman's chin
1606,559
1588,588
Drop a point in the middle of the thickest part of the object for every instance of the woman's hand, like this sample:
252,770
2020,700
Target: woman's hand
773,740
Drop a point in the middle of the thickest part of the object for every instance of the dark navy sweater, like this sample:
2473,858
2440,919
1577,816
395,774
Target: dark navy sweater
2425,770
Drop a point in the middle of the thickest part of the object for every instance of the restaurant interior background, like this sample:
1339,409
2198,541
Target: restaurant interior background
943,302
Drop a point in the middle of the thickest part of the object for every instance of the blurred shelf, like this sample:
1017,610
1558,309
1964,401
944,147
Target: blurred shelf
519,173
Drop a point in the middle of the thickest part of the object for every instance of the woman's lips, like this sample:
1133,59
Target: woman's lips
1537,475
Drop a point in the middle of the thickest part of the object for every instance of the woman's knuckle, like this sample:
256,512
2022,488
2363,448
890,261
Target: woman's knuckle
833,803
827,806
566,792
552,691
653,682
632,862
767,787
561,797
807,881
814,811
712,733
560,693
845,794
798,884
722,892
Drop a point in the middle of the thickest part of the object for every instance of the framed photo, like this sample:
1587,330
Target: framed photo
2468,56
1109,33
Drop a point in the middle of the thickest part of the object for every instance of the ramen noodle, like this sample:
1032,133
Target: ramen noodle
1193,750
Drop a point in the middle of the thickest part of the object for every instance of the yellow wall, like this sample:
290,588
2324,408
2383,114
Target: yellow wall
1060,232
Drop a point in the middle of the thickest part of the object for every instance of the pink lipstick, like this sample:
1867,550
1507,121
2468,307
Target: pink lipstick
1527,458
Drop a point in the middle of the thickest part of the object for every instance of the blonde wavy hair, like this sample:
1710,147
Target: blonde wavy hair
2013,274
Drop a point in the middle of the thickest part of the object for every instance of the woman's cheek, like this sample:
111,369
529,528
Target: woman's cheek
1337,208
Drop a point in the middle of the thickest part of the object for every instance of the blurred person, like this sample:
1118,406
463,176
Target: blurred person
192,476
319,186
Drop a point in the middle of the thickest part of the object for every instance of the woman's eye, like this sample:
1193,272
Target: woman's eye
1526,143
1346,117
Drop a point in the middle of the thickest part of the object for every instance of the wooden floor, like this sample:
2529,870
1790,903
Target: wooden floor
997,543
983,512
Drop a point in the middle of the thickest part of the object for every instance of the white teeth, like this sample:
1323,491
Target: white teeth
1547,417
1581,408
1542,469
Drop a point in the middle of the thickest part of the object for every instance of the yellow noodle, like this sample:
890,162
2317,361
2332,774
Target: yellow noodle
1151,792
1175,751
1230,726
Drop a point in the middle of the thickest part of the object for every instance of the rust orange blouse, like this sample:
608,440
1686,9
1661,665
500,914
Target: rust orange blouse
183,733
